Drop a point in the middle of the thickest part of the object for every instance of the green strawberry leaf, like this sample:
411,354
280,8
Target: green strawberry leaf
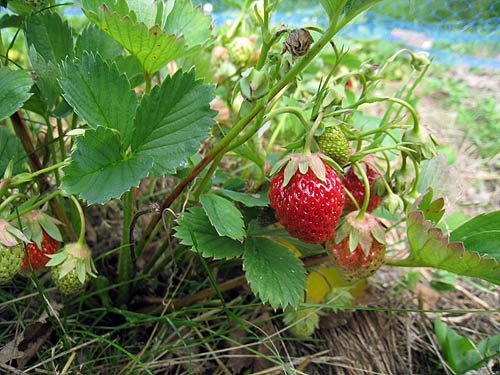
274,272
333,8
14,90
144,11
11,20
100,94
131,68
209,243
486,243
172,121
481,223
442,179
306,249
11,149
186,20
353,8
118,6
460,353
249,200
47,74
99,171
433,209
481,234
152,47
50,36
224,216
430,248
94,40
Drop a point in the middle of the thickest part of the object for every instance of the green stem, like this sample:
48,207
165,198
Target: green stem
149,78
125,266
36,205
61,138
258,122
351,197
10,199
417,176
367,151
298,112
408,262
4,186
276,133
367,191
393,57
207,177
21,178
81,237
402,102
310,136
52,150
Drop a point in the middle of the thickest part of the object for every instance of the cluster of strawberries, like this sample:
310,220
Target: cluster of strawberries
309,199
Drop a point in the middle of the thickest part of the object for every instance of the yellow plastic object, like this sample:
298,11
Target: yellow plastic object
317,286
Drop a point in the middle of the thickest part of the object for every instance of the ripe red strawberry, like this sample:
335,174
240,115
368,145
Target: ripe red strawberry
357,188
307,196
359,249
38,257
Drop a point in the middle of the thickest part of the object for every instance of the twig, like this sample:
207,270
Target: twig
6,369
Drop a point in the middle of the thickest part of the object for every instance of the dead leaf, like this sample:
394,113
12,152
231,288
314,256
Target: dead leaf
425,296
10,351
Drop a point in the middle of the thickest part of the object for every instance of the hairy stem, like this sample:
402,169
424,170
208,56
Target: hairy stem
125,266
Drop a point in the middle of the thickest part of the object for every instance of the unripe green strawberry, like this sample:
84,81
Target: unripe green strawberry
240,50
69,283
11,251
306,321
333,143
72,268
11,261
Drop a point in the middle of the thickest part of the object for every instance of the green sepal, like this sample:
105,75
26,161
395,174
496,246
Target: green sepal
279,165
290,171
354,238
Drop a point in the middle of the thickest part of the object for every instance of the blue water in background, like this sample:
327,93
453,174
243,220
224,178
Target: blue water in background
444,28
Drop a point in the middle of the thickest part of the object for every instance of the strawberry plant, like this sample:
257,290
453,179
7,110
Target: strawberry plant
248,154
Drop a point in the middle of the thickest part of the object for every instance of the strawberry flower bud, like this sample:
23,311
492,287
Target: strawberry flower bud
393,203
421,142
420,60
254,84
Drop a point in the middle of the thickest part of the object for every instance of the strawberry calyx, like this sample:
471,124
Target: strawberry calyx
360,231
300,162
74,256
37,222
